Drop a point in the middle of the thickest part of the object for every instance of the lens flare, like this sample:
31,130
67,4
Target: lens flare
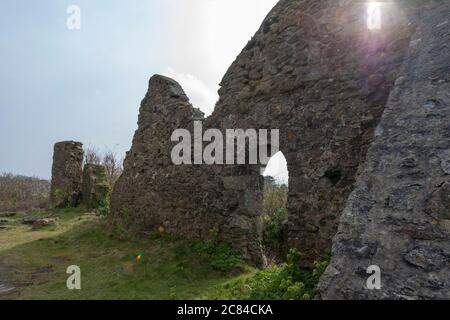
139,257
374,16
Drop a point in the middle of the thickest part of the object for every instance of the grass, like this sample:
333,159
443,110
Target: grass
170,268
16,234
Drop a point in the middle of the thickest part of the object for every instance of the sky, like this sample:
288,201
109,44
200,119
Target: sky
86,84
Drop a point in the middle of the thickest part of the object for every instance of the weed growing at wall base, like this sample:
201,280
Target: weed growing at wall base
285,282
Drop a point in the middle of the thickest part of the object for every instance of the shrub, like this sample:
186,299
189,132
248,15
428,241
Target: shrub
273,216
285,282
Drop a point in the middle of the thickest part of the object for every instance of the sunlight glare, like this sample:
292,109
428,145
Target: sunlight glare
374,16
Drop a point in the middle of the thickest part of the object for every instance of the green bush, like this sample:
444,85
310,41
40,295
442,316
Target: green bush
274,213
286,282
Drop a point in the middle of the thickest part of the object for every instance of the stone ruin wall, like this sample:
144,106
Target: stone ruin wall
314,71
151,191
398,216
74,184
95,189
193,201
317,73
67,171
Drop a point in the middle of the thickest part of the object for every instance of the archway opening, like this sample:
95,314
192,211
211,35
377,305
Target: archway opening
274,207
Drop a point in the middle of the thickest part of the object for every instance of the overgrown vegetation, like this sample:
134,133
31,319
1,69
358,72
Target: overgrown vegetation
109,159
283,282
280,281
221,257
170,268
95,188
274,214
23,193
62,199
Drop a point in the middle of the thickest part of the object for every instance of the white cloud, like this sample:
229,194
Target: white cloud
205,37
199,93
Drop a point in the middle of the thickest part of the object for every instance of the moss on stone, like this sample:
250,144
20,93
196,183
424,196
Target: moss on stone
95,187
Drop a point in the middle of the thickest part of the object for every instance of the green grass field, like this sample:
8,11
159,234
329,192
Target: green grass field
170,269
35,263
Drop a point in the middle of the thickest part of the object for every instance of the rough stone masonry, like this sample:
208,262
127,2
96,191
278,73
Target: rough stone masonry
73,185
333,87
67,171
398,216
95,189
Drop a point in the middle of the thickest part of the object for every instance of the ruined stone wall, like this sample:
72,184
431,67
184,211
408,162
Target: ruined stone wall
152,191
313,70
95,190
67,173
153,194
398,215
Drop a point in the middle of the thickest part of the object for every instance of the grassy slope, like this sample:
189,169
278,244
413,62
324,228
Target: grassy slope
171,269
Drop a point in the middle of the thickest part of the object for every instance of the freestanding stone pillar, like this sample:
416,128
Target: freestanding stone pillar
66,174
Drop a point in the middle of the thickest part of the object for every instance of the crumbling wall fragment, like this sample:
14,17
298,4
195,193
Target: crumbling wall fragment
95,187
153,194
67,172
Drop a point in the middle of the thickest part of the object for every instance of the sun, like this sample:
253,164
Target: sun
374,15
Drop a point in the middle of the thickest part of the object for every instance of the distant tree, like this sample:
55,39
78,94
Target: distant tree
23,193
109,158
274,215
113,165
269,181
92,156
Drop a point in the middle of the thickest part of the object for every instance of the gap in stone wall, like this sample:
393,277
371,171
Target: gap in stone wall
274,208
